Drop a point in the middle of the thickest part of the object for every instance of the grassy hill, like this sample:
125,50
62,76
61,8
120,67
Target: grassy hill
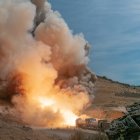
113,94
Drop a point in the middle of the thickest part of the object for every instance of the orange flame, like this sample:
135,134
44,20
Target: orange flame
69,116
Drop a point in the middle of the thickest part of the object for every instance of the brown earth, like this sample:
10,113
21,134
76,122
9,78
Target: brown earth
11,129
110,98
109,93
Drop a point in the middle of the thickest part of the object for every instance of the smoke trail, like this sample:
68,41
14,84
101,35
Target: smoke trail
43,63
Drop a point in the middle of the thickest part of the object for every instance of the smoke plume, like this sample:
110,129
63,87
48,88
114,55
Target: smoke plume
42,64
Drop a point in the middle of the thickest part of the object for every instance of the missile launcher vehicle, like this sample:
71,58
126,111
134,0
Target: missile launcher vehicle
127,127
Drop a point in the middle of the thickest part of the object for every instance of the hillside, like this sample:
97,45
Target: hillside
110,98
109,93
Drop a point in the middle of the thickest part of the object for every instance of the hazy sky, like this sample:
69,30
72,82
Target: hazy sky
113,29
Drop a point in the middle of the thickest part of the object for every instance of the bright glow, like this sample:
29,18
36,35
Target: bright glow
69,117
45,102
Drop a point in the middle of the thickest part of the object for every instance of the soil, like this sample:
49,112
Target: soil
110,99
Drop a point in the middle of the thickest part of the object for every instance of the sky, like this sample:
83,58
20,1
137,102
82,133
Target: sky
113,29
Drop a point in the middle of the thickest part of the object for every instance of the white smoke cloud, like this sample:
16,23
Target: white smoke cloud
42,61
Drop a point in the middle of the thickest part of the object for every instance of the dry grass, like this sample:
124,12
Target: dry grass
81,136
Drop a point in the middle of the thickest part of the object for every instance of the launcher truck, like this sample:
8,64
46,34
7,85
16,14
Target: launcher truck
127,127
92,124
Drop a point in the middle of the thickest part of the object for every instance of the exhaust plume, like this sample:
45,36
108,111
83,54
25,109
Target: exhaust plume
42,64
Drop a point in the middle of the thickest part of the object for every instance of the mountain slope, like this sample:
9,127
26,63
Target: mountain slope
113,94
